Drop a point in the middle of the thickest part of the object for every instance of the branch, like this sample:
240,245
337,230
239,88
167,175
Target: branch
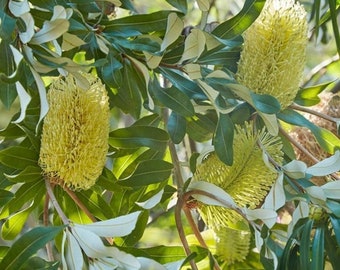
55,203
310,111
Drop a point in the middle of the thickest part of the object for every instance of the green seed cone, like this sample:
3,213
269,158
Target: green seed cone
75,133
273,57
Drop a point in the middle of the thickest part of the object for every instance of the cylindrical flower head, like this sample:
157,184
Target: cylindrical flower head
273,57
232,245
75,133
247,181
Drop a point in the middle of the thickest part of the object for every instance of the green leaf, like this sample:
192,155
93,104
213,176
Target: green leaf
201,127
334,11
327,140
239,23
18,157
176,127
309,96
29,174
27,245
165,254
39,263
25,194
138,232
223,139
265,103
131,86
331,248
8,91
148,172
5,196
138,136
326,166
318,247
336,228
14,224
305,245
115,227
185,85
194,45
173,30
95,203
51,30
7,26
136,24
181,5
175,100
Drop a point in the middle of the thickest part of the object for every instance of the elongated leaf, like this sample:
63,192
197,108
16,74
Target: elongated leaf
27,245
266,103
182,83
332,189
305,245
173,30
7,25
115,227
51,30
176,127
276,197
334,11
25,99
25,194
223,139
295,169
5,196
39,263
138,136
181,5
137,24
29,174
148,172
194,45
318,247
218,196
239,23
309,96
72,255
151,202
175,100
18,157
336,227
268,216
326,166
14,224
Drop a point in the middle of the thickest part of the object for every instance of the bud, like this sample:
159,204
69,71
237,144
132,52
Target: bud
273,57
247,181
74,140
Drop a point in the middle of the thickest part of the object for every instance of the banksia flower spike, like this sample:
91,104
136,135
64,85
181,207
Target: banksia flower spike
247,181
75,133
232,245
273,57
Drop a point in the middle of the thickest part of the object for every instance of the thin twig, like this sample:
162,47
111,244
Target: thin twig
298,145
181,232
197,233
80,204
55,203
310,111
46,223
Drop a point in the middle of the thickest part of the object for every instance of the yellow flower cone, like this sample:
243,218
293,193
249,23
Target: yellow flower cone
232,245
273,57
74,140
247,181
